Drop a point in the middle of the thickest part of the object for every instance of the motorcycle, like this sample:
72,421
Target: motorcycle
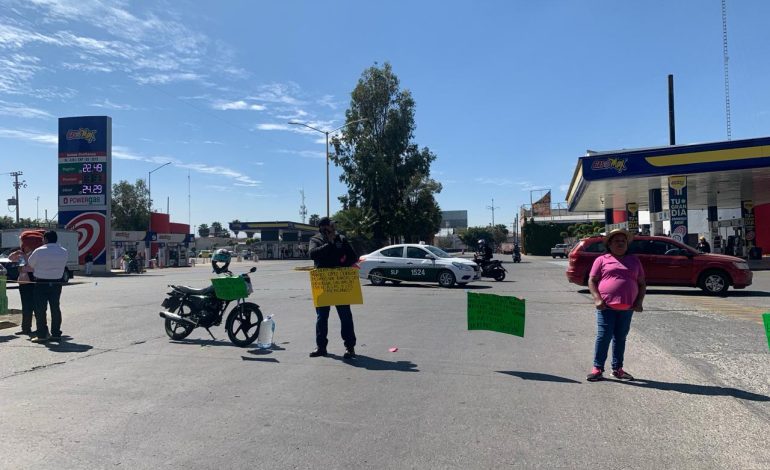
490,268
187,308
134,266
516,257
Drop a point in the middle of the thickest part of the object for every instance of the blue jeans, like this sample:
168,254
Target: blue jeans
611,325
322,326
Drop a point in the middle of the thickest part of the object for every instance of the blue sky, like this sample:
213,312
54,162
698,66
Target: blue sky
509,93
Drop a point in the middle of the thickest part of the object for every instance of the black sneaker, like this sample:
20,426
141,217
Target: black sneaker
319,352
25,333
55,337
350,353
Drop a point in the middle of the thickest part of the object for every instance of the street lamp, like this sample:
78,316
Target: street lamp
149,190
326,133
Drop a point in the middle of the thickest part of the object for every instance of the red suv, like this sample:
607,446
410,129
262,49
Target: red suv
666,263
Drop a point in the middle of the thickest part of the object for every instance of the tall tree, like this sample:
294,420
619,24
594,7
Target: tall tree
204,230
130,206
314,219
378,155
236,222
216,228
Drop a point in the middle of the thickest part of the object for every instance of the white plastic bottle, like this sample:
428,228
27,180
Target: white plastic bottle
266,331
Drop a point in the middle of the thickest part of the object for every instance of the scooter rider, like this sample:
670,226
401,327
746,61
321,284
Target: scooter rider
485,250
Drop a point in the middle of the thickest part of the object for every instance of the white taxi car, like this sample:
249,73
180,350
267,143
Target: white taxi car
416,262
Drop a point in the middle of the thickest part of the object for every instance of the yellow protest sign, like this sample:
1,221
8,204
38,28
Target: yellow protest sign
335,286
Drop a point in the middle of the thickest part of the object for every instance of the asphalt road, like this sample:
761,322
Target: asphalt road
119,394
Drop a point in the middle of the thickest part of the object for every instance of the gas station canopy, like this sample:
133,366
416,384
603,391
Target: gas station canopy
720,174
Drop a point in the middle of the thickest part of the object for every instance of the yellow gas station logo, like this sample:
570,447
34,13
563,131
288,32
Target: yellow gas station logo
617,164
677,183
748,205
89,135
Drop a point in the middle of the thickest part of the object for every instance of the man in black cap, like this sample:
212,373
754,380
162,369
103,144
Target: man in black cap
328,249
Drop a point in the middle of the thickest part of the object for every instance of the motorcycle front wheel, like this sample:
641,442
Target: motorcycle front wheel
243,324
176,330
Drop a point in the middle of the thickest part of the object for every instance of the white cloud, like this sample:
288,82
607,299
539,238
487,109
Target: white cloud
328,101
278,93
494,181
237,105
20,110
30,136
563,187
107,104
274,127
303,153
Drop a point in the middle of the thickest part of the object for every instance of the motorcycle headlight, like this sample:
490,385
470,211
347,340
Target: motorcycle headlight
742,265
461,266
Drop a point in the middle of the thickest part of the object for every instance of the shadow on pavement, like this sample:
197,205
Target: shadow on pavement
693,389
538,376
260,359
203,342
5,339
65,345
371,363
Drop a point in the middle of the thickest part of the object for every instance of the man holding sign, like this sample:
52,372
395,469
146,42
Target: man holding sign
328,249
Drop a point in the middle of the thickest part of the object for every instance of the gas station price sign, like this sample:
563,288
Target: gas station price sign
84,176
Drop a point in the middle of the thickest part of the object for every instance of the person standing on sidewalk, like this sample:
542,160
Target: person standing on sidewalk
89,263
617,284
30,241
328,249
48,263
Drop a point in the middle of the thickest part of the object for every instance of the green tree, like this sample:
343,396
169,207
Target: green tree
355,222
216,229
236,222
204,231
379,159
314,218
130,206
419,215
472,235
499,234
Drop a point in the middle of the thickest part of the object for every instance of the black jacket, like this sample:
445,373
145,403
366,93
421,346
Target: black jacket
332,255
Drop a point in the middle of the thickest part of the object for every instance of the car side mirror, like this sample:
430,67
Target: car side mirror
431,257
253,269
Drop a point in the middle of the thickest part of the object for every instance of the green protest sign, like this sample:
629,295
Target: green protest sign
766,319
504,314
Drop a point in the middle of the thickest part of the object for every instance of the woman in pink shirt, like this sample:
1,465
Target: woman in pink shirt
617,285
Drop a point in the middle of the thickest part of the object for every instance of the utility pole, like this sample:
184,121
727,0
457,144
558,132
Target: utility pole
37,209
492,208
16,185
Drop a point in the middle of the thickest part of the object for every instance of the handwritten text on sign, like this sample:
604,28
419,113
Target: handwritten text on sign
504,314
335,286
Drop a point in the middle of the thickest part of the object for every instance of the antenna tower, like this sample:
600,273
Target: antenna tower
302,208
726,57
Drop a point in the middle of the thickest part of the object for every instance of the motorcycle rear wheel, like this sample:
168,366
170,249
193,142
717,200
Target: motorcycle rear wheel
500,275
175,330
243,324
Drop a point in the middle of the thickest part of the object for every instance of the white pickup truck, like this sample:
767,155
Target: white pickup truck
9,239
561,250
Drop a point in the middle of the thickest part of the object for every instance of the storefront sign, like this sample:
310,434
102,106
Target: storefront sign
677,206
747,212
632,217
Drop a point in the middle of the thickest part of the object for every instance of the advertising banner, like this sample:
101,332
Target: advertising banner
677,206
90,227
632,217
85,180
749,228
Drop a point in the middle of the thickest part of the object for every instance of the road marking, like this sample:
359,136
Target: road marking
728,307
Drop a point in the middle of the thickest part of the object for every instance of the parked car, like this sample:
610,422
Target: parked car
11,267
561,250
416,262
667,263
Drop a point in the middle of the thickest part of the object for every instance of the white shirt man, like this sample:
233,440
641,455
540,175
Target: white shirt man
48,264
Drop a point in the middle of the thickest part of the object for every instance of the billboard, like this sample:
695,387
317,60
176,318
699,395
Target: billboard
85,182
454,219
677,207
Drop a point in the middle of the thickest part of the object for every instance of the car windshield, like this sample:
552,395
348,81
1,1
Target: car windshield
437,251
